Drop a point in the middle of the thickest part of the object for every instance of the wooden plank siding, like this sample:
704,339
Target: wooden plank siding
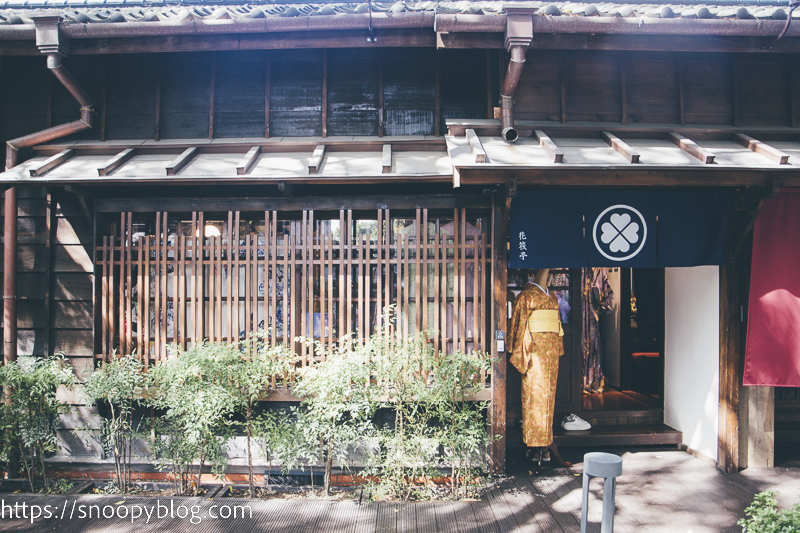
55,311
185,95
277,273
393,91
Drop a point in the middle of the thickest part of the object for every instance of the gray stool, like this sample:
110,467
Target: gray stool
608,467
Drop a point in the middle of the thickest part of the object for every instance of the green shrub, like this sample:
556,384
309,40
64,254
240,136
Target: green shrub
249,376
120,384
765,517
194,388
430,394
337,406
31,413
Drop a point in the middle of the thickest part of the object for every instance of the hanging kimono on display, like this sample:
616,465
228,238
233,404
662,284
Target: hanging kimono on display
597,298
535,344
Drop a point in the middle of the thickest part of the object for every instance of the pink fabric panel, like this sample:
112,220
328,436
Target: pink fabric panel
772,357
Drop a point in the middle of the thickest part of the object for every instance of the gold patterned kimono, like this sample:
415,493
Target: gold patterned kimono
536,343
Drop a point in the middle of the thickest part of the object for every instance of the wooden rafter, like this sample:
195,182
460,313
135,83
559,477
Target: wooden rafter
761,148
51,163
549,146
316,159
691,147
476,146
248,160
181,161
386,159
621,146
116,162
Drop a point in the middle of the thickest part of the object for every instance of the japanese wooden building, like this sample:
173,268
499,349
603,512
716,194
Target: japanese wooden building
189,170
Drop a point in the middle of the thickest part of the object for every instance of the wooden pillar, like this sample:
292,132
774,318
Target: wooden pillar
744,412
729,375
497,412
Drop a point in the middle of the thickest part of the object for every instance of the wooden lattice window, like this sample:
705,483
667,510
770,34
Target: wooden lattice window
223,276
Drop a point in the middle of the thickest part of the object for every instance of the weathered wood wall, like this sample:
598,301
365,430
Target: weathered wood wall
392,91
55,279
645,88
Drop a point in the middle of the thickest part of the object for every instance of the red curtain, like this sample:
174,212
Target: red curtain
772,357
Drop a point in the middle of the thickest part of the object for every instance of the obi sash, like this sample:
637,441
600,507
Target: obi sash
545,321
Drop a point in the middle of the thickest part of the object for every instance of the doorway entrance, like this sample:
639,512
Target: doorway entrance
627,407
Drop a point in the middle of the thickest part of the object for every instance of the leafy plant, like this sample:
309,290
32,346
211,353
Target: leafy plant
119,383
249,376
194,388
337,407
430,393
32,411
765,517
276,434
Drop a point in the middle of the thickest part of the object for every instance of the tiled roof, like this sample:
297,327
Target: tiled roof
118,11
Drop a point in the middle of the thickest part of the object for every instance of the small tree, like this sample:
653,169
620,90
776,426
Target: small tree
461,430
120,384
194,387
409,447
249,377
32,411
336,407
276,435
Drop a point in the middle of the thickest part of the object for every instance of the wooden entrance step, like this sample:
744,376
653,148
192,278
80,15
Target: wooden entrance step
619,435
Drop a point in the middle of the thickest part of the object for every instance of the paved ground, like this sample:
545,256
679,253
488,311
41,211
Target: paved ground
666,491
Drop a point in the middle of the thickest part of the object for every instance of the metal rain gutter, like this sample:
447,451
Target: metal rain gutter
47,39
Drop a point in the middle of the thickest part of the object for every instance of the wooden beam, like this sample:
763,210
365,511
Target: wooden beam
437,111
691,147
159,66
763,149
623,86
103,99
212,95
476,146
318,203
324,93
489,103
621,146
735,88
267,90
681,95
562,69
793,87
181,161
116,162
248,161
52,163
386,159
631,176
50,81
549,146
316,159
380,92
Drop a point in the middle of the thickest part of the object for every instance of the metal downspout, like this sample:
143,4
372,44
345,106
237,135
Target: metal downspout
10,215
507,92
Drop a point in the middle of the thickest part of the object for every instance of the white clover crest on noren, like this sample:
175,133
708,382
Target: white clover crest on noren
620,232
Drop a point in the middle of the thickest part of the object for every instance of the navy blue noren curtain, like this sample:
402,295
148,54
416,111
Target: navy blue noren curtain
627,228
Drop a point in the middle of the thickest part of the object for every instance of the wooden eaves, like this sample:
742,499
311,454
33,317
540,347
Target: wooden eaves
233,162
671,156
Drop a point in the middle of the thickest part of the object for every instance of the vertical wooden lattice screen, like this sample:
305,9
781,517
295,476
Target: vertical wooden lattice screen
291,277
